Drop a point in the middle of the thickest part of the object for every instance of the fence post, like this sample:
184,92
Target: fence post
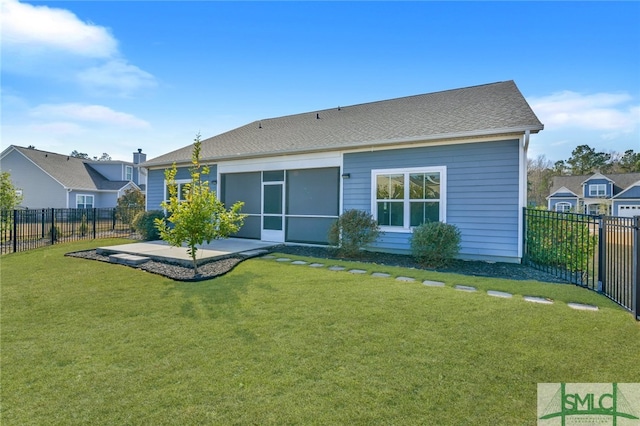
635,285
601,255
53,226
94,223
15,230
524,236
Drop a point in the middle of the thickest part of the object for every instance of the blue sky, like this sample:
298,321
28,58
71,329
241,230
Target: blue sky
115,76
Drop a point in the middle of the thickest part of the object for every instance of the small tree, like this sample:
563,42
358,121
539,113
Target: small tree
195,213
353,230
9,198
129,205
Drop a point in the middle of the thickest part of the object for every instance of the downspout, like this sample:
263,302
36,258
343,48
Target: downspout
523,195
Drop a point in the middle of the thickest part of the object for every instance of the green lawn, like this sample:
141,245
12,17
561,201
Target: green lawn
85,342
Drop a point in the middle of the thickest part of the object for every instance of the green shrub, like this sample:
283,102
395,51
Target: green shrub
353,230
54,233
144,223
435,243
562,240
84,226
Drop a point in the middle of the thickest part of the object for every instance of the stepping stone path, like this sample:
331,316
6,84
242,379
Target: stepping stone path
428,283
465,288
541,300
582,307
502,294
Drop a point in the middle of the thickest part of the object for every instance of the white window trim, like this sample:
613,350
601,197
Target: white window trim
563,203
406,219
178,182
126,172
594,189
93,200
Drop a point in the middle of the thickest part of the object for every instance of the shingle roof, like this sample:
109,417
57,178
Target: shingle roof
71,172
497,108
621,181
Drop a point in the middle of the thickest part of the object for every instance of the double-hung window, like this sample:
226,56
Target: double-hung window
128,173
405,198
563,207
84,201
597,190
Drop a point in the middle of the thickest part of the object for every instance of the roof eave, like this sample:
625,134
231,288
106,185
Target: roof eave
378,143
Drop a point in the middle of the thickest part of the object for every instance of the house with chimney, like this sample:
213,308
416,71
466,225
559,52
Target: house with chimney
50,180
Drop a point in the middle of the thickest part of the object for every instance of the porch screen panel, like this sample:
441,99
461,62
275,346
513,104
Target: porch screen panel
244,187
250,228
311,230
313,192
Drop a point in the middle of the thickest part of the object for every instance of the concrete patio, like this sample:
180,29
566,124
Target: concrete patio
137,253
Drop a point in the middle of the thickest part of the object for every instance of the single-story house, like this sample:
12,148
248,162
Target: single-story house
456,156
616,194
49,180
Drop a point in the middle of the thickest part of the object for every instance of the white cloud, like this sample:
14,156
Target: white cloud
52,43
116,75
88,113
610,112
35,28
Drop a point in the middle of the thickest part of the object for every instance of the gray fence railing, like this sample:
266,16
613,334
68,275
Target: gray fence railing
22,230
601,253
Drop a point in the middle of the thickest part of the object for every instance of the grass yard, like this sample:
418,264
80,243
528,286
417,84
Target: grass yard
85,342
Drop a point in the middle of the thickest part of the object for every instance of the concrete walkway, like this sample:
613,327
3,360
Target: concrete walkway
161,251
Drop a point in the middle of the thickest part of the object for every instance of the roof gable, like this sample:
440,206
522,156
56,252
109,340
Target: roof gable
490,109
627,192
621,181
70,172
562,190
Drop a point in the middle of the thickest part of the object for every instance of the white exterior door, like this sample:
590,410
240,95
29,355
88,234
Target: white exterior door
272,212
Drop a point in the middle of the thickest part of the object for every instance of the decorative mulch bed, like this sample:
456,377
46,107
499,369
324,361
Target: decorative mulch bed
220,267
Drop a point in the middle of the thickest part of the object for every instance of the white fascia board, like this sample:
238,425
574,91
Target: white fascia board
627,188
596,176
282,162
561,190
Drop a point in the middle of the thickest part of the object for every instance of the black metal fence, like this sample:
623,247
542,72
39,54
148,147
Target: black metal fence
601,253
22,230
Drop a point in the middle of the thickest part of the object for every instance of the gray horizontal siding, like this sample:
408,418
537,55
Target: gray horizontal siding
482,193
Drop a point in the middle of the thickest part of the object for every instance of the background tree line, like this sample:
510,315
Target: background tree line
584,160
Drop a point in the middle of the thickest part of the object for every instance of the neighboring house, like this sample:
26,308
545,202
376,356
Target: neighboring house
46,179
457,156
611,194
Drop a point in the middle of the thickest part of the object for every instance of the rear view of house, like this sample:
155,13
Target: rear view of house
457,156
46,179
